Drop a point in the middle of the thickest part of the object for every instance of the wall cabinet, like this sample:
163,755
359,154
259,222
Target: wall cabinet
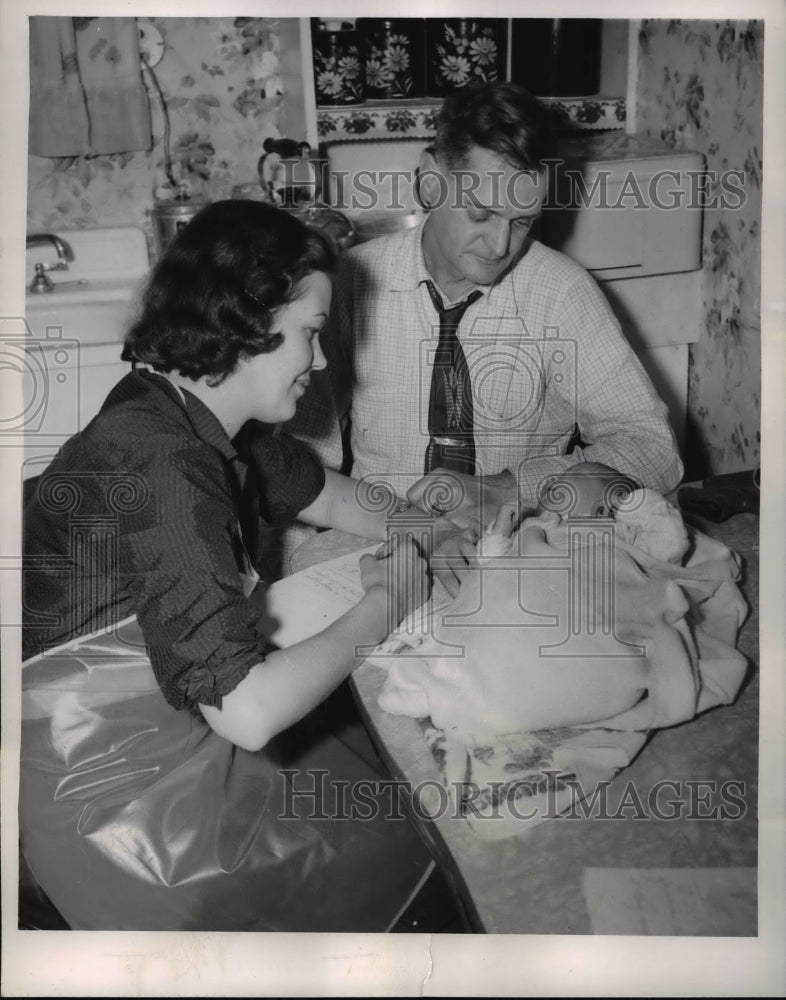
417,117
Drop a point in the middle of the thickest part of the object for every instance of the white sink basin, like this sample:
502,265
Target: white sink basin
96,314
69,354
116,254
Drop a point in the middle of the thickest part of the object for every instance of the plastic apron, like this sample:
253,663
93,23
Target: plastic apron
136,816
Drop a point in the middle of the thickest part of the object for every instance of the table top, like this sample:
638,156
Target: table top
639,871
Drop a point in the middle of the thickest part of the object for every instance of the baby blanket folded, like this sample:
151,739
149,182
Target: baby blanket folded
571,641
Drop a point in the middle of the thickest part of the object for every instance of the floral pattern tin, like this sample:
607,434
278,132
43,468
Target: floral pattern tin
395,57
339,64
461,52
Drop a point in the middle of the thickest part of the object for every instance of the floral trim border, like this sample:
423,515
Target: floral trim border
372,123
411,121
590,112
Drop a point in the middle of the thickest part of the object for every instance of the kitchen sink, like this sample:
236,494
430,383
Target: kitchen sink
95,314
68,350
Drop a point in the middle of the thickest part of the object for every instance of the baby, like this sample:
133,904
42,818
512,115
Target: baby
587,489
642,517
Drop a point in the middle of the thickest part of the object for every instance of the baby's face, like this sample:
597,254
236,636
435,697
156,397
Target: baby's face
588,489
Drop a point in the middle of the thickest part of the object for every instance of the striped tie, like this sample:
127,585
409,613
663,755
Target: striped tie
450,416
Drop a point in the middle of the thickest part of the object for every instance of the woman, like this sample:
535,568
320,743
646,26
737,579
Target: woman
147,800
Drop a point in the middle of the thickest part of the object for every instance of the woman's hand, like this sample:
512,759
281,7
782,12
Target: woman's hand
453,556
398,575
449,549
290,682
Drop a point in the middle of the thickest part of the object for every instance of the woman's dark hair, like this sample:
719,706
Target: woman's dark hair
503,117
210,299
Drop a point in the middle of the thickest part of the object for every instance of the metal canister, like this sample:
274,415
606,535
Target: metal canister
335,224
169,217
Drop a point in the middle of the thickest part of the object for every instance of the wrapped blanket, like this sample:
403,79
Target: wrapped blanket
569,643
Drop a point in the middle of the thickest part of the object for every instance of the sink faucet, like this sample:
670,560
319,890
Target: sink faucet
64,251
41,283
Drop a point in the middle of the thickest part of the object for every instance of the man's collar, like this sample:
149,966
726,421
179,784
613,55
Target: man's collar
408,271
408,268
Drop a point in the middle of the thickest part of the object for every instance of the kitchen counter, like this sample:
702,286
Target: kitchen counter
637,871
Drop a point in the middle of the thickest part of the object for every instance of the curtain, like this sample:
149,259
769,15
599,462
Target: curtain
86,90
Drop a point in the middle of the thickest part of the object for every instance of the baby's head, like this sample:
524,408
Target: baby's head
587,489
642,517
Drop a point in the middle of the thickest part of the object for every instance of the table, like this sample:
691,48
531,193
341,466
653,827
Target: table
639,872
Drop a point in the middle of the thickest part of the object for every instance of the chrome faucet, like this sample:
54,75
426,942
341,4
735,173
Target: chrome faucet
41,283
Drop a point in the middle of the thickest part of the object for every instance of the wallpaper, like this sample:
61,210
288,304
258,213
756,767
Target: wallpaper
222,80
700,87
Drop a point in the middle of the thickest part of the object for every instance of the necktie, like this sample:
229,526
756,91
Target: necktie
450,418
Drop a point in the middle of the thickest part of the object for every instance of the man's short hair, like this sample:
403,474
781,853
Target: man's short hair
502,117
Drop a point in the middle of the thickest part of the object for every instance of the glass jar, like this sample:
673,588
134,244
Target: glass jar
395,56
339,66
462,51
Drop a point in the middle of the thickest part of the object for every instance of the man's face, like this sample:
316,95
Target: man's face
480,216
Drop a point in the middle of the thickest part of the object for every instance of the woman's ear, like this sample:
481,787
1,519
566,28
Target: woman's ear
429,182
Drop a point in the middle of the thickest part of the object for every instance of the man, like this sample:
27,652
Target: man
542,359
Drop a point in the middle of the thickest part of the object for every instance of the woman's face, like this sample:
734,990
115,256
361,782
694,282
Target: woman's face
273,383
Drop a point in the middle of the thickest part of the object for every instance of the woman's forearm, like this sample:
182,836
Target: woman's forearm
289,683
349,505
353,506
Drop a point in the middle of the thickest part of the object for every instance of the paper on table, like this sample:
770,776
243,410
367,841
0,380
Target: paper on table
307,602
691,901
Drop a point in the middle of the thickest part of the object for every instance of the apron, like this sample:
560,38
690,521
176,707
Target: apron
136,816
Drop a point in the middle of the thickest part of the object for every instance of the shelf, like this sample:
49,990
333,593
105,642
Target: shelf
418,118
590,113
379,119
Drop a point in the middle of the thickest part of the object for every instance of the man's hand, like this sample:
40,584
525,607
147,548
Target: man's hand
469,502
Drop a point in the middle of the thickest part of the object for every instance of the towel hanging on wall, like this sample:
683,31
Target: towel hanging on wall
86,90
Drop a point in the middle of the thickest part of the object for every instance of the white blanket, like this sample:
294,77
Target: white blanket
567,645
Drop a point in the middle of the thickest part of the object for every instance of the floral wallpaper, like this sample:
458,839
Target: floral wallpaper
700,87
222,80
